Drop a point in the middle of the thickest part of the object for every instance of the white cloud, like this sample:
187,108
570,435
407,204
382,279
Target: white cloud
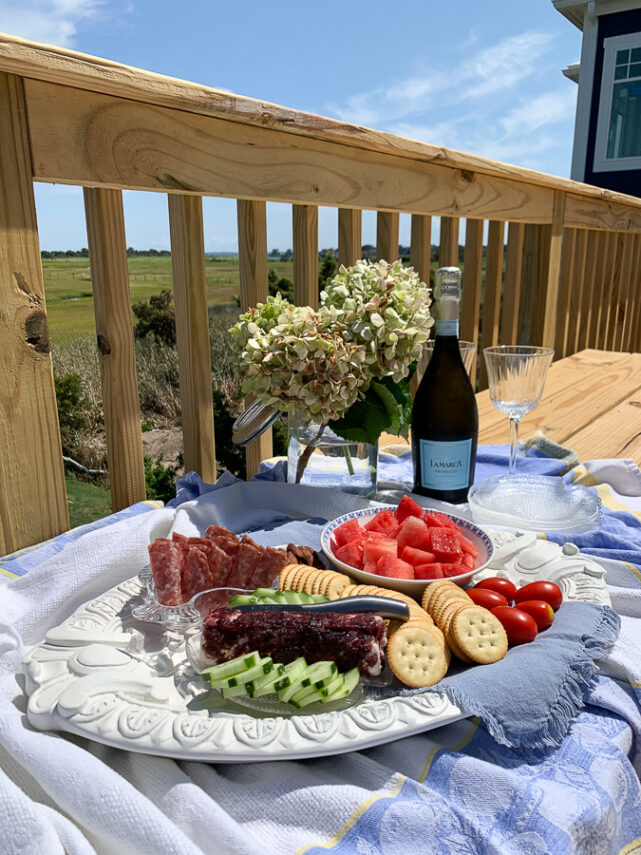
50,21
473,75
545,109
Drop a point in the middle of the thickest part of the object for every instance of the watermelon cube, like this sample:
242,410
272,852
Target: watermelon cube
389,566
350,530
351,553
375,549
444,544
415,533
468,561
407,507
435,518
416,556
453,570
441,570
384,522
429,571
467,546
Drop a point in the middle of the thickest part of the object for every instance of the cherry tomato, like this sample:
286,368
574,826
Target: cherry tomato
547,591
486,598
500,585
541,611
519,626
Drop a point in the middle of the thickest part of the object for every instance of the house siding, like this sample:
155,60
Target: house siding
626,181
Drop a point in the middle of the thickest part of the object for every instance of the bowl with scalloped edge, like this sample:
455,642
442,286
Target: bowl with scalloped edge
413,587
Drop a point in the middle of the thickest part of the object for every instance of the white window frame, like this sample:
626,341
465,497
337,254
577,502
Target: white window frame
601,162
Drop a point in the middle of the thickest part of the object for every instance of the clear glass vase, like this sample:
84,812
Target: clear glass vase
328,460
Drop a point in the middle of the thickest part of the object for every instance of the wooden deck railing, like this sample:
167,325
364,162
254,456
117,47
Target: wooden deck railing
562,258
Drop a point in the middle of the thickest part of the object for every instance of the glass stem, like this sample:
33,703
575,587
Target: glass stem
514,441
348,459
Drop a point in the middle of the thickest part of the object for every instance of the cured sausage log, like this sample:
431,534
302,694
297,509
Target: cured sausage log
350,640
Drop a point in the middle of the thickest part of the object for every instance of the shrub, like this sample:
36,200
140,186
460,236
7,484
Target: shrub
156,317
160,479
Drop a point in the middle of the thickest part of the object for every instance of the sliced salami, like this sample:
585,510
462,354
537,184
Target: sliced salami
247,559
196,574
214,531
180,539
166,559
268,567
202,543
220,565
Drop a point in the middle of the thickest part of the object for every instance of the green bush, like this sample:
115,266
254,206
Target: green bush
156,317
74,410
280,285
160,479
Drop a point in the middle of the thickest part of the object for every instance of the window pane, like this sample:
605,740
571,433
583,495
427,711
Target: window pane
624,135
622,57
635,55
635,70
621,72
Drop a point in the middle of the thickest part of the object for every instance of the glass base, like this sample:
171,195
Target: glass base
332,462
534,502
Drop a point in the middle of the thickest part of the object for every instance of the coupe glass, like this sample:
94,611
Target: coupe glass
516,376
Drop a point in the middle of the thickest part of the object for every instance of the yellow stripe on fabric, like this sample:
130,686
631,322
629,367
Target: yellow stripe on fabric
154,503
636,684
459,747
354,817
631,848
8,573
604,491
632,568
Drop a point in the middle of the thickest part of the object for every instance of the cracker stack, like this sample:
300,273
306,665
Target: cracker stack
419,650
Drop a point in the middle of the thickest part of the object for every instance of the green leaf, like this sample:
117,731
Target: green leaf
365,420
397,400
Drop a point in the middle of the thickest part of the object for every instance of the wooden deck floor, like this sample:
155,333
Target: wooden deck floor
591,403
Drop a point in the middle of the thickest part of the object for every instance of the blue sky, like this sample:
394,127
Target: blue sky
478,77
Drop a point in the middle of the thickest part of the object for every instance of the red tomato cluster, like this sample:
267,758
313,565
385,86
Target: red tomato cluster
533,609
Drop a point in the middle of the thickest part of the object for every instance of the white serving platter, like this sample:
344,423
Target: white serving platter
107,677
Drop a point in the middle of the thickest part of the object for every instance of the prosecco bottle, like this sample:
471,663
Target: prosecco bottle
445,421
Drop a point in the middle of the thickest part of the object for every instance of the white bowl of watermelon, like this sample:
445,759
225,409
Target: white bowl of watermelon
405,547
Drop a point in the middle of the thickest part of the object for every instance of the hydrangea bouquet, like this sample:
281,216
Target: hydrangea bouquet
350,361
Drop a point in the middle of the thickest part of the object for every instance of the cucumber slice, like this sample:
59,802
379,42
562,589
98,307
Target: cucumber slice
319,598
306,696
233,691
241,600
265,684
292,597
350,681
319,671
233,666
264,667
264,592
306,598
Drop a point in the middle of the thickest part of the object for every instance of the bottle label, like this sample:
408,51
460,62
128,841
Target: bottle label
447,328
445,465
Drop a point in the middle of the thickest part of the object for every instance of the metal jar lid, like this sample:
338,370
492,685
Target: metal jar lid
251,424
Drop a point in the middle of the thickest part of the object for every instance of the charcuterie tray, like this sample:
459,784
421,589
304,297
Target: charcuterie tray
106,676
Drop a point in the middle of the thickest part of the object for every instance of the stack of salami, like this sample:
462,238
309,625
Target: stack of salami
184,566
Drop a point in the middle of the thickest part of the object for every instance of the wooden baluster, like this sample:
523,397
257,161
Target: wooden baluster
576,292
623,292
420,246
349,236
387,235
252,264
588,289
420,260
493,283
192,334
114,330
512,289
305,237
472,288
633,291
617,262
607,291
448,250
634,343
599,285
561,346
33,502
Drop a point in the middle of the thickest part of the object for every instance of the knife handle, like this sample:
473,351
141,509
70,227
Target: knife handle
386,607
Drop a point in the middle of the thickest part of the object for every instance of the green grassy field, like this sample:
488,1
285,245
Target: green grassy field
86,502
70,301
